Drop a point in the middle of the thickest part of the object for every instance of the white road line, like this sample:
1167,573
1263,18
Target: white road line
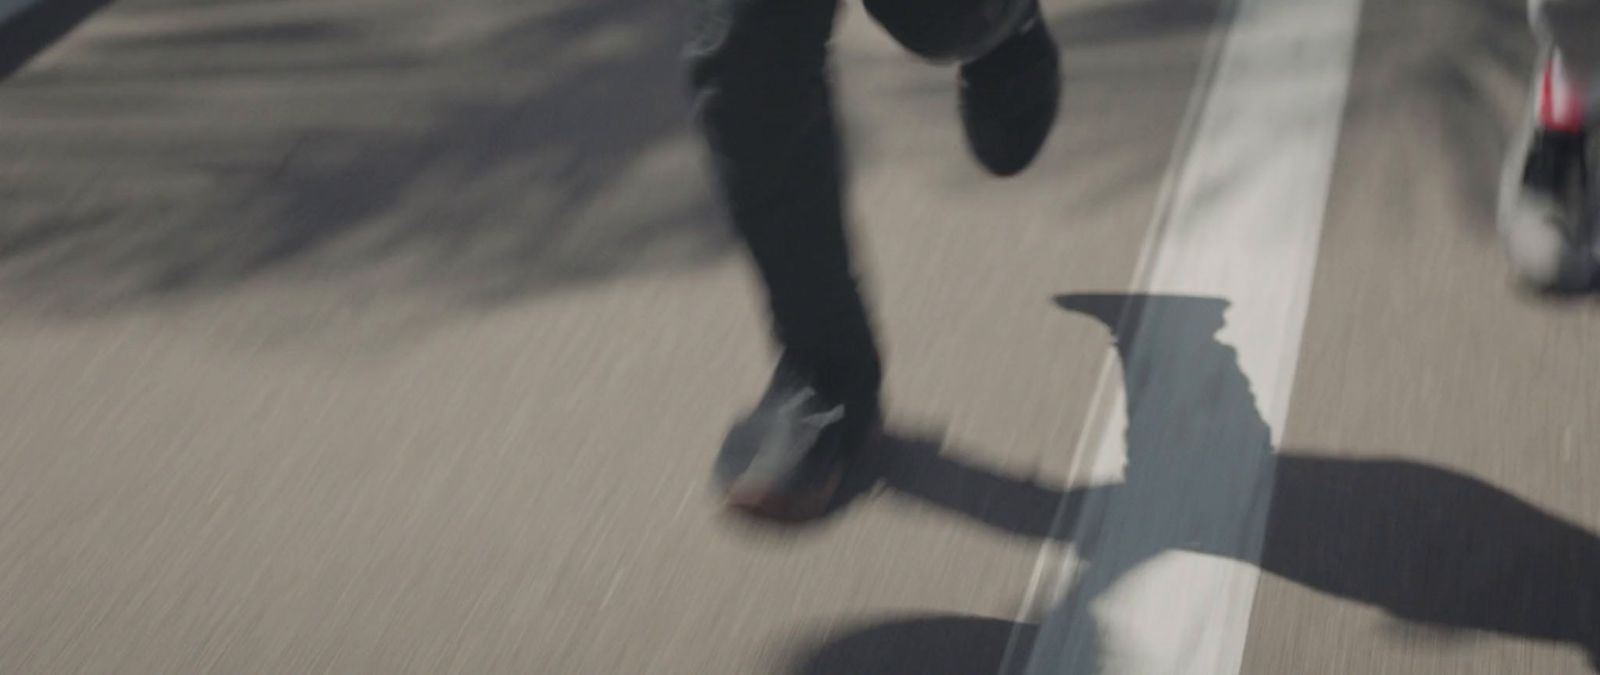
1159,575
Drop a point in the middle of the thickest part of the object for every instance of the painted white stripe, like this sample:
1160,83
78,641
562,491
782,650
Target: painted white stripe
1160,573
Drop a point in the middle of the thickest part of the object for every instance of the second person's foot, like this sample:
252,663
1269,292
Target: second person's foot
1544,201
1009,98
1539,217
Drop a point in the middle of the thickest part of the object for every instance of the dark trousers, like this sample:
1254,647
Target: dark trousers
762,98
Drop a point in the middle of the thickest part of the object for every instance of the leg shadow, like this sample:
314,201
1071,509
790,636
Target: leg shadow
920,645
1427,545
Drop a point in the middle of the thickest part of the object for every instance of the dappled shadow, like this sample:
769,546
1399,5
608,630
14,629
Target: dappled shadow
480,150
487,150
31,29
1428,545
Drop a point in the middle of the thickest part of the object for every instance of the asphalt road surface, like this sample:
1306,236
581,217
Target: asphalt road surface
393,336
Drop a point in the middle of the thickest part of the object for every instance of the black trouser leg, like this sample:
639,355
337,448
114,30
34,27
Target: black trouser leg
763,101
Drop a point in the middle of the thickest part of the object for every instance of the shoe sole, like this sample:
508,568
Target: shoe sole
766,501
787,506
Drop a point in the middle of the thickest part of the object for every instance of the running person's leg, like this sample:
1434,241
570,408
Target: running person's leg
1539,217
763,101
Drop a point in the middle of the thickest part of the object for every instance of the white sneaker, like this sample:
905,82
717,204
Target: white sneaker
1543,218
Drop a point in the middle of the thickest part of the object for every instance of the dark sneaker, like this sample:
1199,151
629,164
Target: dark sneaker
1009,98
786,460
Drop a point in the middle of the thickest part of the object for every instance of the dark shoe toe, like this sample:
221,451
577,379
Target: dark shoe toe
1009,101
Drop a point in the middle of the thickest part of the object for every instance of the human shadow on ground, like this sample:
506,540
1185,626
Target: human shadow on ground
1427,545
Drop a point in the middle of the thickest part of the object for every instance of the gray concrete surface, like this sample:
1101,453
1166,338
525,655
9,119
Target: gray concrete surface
396,337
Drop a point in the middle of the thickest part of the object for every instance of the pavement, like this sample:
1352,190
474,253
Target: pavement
391,336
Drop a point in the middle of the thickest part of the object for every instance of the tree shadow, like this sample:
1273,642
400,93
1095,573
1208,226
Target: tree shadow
470,154
33,28
486,151
1427,545
479,151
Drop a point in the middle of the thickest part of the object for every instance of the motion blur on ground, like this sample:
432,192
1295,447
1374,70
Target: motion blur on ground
392,336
